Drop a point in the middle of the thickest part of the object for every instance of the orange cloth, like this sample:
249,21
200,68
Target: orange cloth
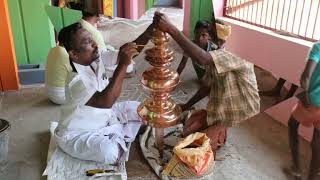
195,152
307,116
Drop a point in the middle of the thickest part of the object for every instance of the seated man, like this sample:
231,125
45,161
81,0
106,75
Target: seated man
231,83
89,18
307,113
89,22
57,69
58,66
92,125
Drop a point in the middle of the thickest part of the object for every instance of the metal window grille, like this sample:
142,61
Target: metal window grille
298,18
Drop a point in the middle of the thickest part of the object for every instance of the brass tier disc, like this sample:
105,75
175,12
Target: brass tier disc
159,79
159,57
159,37
159,117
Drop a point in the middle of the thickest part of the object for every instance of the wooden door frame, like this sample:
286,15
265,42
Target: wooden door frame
8,69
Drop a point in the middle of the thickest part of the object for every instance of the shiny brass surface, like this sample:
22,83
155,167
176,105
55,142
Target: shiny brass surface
159,114
160,80
159,110
159,57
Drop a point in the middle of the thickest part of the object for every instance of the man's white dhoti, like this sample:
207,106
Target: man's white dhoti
108,144
90,133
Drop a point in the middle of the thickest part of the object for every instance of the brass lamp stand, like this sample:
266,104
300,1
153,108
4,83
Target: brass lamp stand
159,110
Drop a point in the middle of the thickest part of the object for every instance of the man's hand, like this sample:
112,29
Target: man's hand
196,123
127,52
162,22
149,30
217,134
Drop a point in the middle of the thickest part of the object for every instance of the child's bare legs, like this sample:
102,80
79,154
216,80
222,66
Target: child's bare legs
314,173
293,126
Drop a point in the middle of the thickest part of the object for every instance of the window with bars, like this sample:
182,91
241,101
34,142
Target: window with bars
299,18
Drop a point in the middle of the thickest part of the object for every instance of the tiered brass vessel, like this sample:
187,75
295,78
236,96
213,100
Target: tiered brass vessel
159,110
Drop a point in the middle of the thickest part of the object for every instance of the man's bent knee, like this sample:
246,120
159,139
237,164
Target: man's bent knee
111,153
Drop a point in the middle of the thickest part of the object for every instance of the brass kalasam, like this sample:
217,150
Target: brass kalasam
159,110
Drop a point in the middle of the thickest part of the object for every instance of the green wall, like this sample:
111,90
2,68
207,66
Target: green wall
62,17
32,31
199,10
149,4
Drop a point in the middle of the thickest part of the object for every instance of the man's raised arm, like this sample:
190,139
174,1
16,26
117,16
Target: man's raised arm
194,51
107,97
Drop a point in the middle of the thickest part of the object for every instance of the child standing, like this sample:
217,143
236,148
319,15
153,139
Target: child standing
307,113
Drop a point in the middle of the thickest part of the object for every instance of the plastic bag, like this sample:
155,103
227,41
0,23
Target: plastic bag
192,157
